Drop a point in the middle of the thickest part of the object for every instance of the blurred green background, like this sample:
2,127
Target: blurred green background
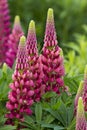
70,15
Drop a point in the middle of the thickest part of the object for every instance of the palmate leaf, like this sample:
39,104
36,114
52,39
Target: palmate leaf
63,114
49,119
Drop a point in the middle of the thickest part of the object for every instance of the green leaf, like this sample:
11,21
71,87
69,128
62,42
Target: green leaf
8,127
49,119
70,113
49,94
28,119
38,112
48,125
59,128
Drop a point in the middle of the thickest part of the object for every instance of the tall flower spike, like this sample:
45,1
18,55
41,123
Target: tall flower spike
21,62
80,117
51,58
4,28
31,40
79,94
85,89
20,96
34,60
13,40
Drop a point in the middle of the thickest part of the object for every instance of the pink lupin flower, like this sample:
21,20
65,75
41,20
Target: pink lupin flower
20,96
34,60
79,94
13,40
85,89
4,28
80,117
31,40
52,58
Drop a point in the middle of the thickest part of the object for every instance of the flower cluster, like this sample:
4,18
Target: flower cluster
51,58
20,96
34,61
4,28
80,117
34,75
13,40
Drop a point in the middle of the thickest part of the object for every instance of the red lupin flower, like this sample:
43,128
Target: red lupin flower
20,96
51,57
34,61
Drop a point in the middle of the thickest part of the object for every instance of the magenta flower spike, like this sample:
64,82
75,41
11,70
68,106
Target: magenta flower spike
20,96
52,57
4,28
85,89
80,117
79,94
50,39
13,40
34,61
31,40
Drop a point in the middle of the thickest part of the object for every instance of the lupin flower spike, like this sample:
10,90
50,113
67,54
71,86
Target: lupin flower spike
80,117
31,40
79,94
21,62
20,96
50,39
4,28
13,40
34,60
85,89
51,58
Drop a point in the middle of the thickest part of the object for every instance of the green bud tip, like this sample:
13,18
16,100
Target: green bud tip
80,109
4,68
61,52
80,89
22,40
32,25
50,13
17,19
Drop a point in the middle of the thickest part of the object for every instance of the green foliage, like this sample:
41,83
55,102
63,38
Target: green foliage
5,79
54,112
76,58
56,115
5,127
70,16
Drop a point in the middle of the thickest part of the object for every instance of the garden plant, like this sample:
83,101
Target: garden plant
42,87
